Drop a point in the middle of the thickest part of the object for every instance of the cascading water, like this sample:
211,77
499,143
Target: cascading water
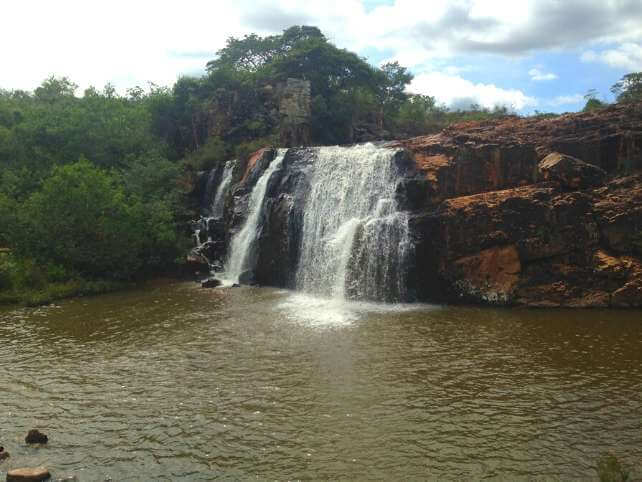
354,240
242,247
218,204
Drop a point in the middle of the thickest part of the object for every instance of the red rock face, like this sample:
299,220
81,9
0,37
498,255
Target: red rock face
502,223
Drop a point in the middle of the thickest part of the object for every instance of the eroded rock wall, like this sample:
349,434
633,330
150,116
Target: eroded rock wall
531,212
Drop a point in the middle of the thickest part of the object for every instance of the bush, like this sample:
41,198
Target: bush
610,469
82,221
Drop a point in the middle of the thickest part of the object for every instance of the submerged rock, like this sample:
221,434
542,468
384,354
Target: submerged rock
210,283
36,437
247,278
28,474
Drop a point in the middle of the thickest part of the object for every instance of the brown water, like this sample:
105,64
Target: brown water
175,382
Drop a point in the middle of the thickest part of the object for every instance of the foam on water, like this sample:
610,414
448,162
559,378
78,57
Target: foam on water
329,312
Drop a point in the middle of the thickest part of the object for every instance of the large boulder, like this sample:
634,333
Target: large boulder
570,172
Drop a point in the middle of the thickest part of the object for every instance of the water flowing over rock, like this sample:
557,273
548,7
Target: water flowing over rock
218,204
242,254
355,242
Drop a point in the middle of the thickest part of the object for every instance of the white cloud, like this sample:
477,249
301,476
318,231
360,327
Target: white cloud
561,100
455,70
627,56
129,42
538,75
457,92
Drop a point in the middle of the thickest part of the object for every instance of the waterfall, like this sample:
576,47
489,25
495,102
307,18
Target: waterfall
354,241
242,247
219,199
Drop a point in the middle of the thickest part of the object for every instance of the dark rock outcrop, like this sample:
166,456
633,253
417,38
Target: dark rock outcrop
509,216
36,437
210,283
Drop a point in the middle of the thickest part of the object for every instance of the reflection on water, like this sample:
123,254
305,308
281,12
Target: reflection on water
173,382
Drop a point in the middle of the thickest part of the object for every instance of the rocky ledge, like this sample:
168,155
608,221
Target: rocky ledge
535,212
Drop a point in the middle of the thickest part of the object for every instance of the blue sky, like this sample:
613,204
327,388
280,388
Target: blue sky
526,54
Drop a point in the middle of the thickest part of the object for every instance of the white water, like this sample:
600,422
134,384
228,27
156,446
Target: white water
242,244
219,199
354,241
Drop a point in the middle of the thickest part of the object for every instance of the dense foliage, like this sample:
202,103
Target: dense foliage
88,188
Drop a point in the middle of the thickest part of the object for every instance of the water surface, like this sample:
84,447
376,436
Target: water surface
176,382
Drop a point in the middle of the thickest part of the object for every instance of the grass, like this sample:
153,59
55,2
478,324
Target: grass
610,469
60,290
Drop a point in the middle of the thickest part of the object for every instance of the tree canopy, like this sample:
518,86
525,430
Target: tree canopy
628,88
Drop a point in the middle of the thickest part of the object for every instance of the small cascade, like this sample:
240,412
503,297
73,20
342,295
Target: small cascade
197,237
242,252
354,242
218,204
208,230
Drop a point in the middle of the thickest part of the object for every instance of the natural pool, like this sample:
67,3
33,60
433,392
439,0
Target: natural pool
172,381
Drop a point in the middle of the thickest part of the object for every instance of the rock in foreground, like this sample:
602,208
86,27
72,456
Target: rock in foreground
36,437
28,475
210,283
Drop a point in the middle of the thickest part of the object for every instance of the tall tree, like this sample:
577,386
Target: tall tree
628,88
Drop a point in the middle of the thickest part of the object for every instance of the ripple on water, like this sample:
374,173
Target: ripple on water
248,383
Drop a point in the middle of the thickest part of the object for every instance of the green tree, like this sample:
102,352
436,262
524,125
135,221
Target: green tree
592,102
393,88
628,88
82,220
53,89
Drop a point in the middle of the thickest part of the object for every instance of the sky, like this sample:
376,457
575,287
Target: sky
528,55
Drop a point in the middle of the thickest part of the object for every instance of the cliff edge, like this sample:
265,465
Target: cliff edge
535,212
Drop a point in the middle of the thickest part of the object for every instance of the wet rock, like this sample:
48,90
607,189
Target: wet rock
36,437
210,283
217,266
629,295
216,228
247,277
35,474
195,264
570,172
212,250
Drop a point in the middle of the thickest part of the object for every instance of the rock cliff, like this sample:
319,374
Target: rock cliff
530,212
